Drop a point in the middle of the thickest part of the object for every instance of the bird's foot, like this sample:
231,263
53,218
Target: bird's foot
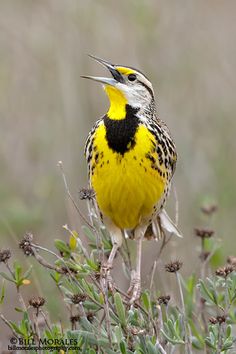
134,290
106,277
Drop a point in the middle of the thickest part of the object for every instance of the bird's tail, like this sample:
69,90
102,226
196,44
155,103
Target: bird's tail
161,224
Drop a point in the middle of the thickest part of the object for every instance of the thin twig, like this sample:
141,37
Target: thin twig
36,323
219,343
20,297
160,347
165,241
8,324
104,286
45,264
60,165
45,319
187,338
154,267
77,240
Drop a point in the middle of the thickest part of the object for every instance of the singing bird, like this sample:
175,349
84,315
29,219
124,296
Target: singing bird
131,159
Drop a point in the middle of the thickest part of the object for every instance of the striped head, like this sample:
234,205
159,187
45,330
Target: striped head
127,86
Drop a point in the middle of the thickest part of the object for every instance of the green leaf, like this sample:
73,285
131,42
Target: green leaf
16,328
7,277
196,332
18,309
209,343
87,288
118,334
120,309
2,296
196,343
227,344
228,331
151,348
190,284
146,300
61,246
171,328
177,326
206,294
91,351
89,234
85,324
56,277
27,273
172,340
17,271
92,264
123,347
91,305
91,338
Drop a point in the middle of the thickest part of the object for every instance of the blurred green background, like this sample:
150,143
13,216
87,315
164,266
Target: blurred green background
186,48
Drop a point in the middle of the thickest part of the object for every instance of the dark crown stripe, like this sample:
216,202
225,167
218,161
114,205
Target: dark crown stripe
147,88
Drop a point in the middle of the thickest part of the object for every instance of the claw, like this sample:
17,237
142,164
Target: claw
106,277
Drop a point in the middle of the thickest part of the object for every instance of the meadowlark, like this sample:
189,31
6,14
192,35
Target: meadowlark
131,159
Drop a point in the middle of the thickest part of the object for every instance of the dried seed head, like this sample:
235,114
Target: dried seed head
74,319
68,270
77,298
164,299
204,255
204,233
5,255
37,302
25,244
86,193
221,319
210,209
97,275
90,316
213,320
225,271
217,319
220,272
173,267
232,260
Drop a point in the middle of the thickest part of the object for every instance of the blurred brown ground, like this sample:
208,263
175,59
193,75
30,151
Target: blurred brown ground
188,50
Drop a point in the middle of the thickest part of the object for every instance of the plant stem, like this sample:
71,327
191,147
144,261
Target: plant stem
60,165
187,339
8,324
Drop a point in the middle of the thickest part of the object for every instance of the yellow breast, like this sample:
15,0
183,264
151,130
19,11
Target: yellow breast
127,186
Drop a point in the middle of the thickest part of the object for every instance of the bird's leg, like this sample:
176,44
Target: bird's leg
135,285
106,267
116,237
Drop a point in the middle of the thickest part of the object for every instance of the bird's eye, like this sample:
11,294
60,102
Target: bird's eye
132,77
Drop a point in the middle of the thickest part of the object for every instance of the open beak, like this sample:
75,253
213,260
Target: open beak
116,75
